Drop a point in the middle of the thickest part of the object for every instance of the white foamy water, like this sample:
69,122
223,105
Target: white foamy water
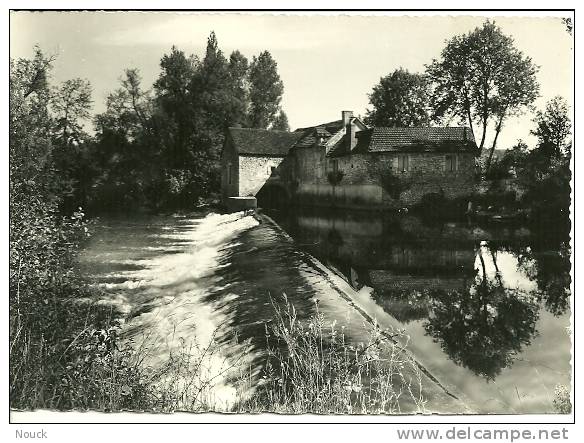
170,325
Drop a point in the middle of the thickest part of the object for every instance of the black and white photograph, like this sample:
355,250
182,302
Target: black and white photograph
305,214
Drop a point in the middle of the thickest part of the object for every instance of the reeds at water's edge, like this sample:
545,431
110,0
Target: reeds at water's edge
311,368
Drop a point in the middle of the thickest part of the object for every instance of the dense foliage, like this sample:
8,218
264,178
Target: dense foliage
483,79
62,346
480,79
160,149
399,100
543,173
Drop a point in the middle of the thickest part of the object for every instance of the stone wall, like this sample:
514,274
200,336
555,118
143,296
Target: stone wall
428,174
361,184
229,171
305,172
255,171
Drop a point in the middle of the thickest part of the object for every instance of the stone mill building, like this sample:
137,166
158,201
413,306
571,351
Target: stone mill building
344,163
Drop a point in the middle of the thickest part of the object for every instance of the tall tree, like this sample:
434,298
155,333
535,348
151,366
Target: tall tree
126,156
553,128
239,78
128,108
176,118
266,89
399,99
482,77
213,95
30,120
280,123
71,103
174,84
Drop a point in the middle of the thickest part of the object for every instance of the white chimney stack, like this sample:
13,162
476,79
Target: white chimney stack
350,139
347,116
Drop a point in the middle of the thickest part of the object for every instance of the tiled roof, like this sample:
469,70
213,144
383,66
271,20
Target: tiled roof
307,140
331,127
263,141
310,137
443,139
322,132
338,148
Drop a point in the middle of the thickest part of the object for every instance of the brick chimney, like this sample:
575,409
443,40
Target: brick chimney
350,139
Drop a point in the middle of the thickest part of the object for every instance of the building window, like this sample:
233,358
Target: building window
403,163
229,174
451,163
273,171
318,170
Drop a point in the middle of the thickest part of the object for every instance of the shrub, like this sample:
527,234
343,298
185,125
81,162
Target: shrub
393,184
335,177
499,170
562,403
497,198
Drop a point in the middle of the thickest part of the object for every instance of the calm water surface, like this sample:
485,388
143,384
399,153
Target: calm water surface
485,308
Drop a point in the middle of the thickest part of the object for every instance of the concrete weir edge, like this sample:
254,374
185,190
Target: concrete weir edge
347,293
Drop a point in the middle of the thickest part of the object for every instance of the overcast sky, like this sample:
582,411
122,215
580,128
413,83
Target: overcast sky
327,63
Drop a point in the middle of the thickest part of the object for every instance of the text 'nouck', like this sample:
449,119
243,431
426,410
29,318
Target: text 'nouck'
31,434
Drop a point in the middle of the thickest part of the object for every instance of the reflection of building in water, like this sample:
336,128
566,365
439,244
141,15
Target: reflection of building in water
398,256
479,302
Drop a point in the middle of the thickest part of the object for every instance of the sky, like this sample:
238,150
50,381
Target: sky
328,63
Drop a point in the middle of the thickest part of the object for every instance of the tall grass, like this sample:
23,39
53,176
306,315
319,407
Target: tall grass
190,377
81,367
71,361
311,368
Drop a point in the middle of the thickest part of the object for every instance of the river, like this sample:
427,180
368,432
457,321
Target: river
485,308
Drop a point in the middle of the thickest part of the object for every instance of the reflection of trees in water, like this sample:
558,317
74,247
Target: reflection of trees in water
483,328
482,331
549,266
553,278
554,286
